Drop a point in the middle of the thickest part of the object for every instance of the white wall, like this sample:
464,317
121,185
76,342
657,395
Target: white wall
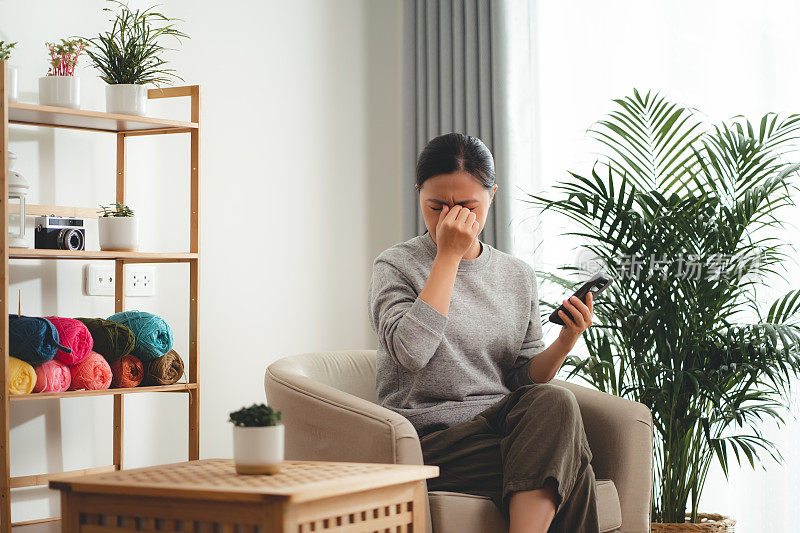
300,191
723,57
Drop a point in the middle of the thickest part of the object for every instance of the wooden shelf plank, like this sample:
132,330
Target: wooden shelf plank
132,257
39,480
57,210
178,387
63,117
45,525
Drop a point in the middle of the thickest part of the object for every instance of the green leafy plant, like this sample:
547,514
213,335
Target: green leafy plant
131,52
116,210
257,415
688,214
5,50
64,56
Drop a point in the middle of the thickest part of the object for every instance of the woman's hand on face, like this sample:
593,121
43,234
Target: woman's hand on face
579,322
456,230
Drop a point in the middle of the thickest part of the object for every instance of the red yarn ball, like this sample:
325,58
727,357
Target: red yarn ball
72,334
127,372
92,373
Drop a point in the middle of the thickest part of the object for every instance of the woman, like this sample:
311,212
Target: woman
461,354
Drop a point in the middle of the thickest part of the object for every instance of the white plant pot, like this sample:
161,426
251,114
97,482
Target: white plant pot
13,84
118,233
258,450
126,99
61,91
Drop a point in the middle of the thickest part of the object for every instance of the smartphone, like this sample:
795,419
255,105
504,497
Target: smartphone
596,284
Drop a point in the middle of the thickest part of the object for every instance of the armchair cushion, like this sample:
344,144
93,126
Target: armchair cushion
455,512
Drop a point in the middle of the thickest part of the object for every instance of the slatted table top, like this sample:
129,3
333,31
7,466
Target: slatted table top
216,479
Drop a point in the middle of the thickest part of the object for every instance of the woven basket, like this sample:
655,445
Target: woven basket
706,523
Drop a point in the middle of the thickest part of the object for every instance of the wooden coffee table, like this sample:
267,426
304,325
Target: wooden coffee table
207,495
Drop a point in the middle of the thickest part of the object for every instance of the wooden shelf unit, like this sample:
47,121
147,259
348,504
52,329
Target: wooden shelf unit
122,126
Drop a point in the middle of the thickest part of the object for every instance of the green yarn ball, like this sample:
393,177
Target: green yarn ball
112,340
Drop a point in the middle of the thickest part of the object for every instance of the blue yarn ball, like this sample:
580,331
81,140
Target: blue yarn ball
33,339
154,336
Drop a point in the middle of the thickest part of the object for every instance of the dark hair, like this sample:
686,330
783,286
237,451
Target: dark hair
453,151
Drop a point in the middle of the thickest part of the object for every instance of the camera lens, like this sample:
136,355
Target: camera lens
70,239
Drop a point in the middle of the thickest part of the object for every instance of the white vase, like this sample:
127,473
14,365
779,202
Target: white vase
61,91
126,99
13,84
118,233
258,450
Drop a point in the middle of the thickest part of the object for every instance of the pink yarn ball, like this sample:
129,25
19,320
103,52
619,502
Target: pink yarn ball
93,373
72,334
52,376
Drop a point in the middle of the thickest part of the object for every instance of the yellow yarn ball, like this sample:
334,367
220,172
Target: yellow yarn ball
21,376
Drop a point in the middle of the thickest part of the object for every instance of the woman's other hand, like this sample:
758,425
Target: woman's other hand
581,318
456,230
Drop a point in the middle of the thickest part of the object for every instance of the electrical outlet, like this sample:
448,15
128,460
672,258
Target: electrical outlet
98,279
140,280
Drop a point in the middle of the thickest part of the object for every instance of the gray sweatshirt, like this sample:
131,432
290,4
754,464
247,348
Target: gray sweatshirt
440,370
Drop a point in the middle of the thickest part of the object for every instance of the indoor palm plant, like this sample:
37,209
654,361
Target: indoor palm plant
130,55
688,215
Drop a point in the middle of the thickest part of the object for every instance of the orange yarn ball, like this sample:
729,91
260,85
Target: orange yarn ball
92,373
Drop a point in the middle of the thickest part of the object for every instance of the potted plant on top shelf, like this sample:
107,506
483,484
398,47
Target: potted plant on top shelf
61,87
5,55
257,439
129,56
118,228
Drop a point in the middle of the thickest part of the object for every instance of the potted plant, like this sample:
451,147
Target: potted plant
685,213
61,87
13,86
130,56
118,228
257,439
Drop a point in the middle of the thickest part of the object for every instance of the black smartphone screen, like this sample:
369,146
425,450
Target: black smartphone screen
596,284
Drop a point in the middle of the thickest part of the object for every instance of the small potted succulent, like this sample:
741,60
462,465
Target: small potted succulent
118,228
61,87
257,439
129,56
5,55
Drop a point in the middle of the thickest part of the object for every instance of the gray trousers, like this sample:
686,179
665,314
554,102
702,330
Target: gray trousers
532,434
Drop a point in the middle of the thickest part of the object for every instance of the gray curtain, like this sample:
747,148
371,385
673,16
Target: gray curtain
455,63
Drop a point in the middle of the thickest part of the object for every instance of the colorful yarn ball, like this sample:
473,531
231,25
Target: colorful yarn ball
127,372
92,373
154,336
164,370
52,376
72,334
21,376
33,339
111,339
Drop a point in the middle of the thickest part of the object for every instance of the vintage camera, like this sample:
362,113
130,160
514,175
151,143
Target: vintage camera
59,233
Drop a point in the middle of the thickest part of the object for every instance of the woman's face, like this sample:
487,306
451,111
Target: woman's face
457,188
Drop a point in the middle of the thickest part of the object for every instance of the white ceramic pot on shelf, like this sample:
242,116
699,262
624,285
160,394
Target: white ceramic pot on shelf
13,84
61,91
126,99
258,450
118,233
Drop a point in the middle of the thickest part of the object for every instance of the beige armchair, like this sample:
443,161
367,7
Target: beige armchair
331,413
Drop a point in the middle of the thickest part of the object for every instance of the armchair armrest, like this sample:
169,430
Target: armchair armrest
620,434
323,423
